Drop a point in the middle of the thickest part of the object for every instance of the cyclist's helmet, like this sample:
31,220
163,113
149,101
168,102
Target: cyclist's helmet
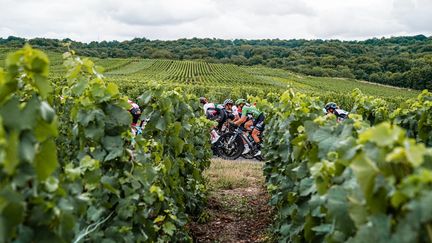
330,105
240,101
202,100
228,101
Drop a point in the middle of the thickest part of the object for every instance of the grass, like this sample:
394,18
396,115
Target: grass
237,209
227,175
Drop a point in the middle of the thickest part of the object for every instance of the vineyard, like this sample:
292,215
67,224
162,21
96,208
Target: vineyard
216,80
70,170
367,179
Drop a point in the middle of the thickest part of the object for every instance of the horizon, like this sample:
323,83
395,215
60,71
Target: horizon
99,20
214,38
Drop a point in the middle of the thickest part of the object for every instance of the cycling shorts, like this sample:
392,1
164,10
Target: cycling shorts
136,114
259,123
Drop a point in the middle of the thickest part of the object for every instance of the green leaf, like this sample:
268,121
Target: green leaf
27,148
93,122
161,123
397,199
158,191
178,145
40,62
11,211
112,89
73,72
169,228
109,183
42,85
51,184
87,163
323,228
29,114
377,230
47,112
285,229
46,159
11,216
383,134
7,88
10,113
337,204
114,146
98,92
79,87
119,120
11,160
71,172
159,218
44,131
415,152
365,172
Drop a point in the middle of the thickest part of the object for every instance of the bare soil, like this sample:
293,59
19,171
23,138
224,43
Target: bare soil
240,214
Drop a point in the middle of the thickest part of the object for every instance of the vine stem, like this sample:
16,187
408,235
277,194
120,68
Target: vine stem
429,230
91,228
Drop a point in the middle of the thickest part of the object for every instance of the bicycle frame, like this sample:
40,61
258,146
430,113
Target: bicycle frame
240,131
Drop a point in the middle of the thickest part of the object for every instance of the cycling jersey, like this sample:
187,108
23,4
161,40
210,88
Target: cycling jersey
222,116
251,110
341,113
208,106
235,110
135,112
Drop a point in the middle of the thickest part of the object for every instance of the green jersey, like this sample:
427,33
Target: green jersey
251,110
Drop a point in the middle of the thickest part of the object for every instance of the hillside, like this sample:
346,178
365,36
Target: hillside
129,73
404,61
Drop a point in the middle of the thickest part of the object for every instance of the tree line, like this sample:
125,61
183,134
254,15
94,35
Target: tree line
399,61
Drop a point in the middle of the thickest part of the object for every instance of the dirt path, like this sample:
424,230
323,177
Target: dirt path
237,209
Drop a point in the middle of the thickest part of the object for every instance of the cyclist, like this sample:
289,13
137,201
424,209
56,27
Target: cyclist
332,108
225,113
207,106
235,112
239,105
220,114
135,111
251,114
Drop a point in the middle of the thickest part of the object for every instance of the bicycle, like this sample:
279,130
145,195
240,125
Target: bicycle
231,145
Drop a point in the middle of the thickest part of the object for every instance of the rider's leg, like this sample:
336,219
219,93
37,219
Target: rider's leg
259,127
248,124
255,134
246,147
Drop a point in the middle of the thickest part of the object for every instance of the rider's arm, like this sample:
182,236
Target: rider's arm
240,121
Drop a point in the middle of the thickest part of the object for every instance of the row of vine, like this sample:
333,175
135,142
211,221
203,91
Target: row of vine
366,179
68,170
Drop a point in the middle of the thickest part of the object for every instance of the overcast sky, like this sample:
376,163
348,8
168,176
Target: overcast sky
88,20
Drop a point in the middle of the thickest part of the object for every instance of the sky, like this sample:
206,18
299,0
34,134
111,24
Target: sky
97,20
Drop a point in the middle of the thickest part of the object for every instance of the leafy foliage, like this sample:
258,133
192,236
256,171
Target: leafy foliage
346,181
99,187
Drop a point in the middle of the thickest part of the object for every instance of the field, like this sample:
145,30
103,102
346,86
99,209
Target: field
134,72
211,75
